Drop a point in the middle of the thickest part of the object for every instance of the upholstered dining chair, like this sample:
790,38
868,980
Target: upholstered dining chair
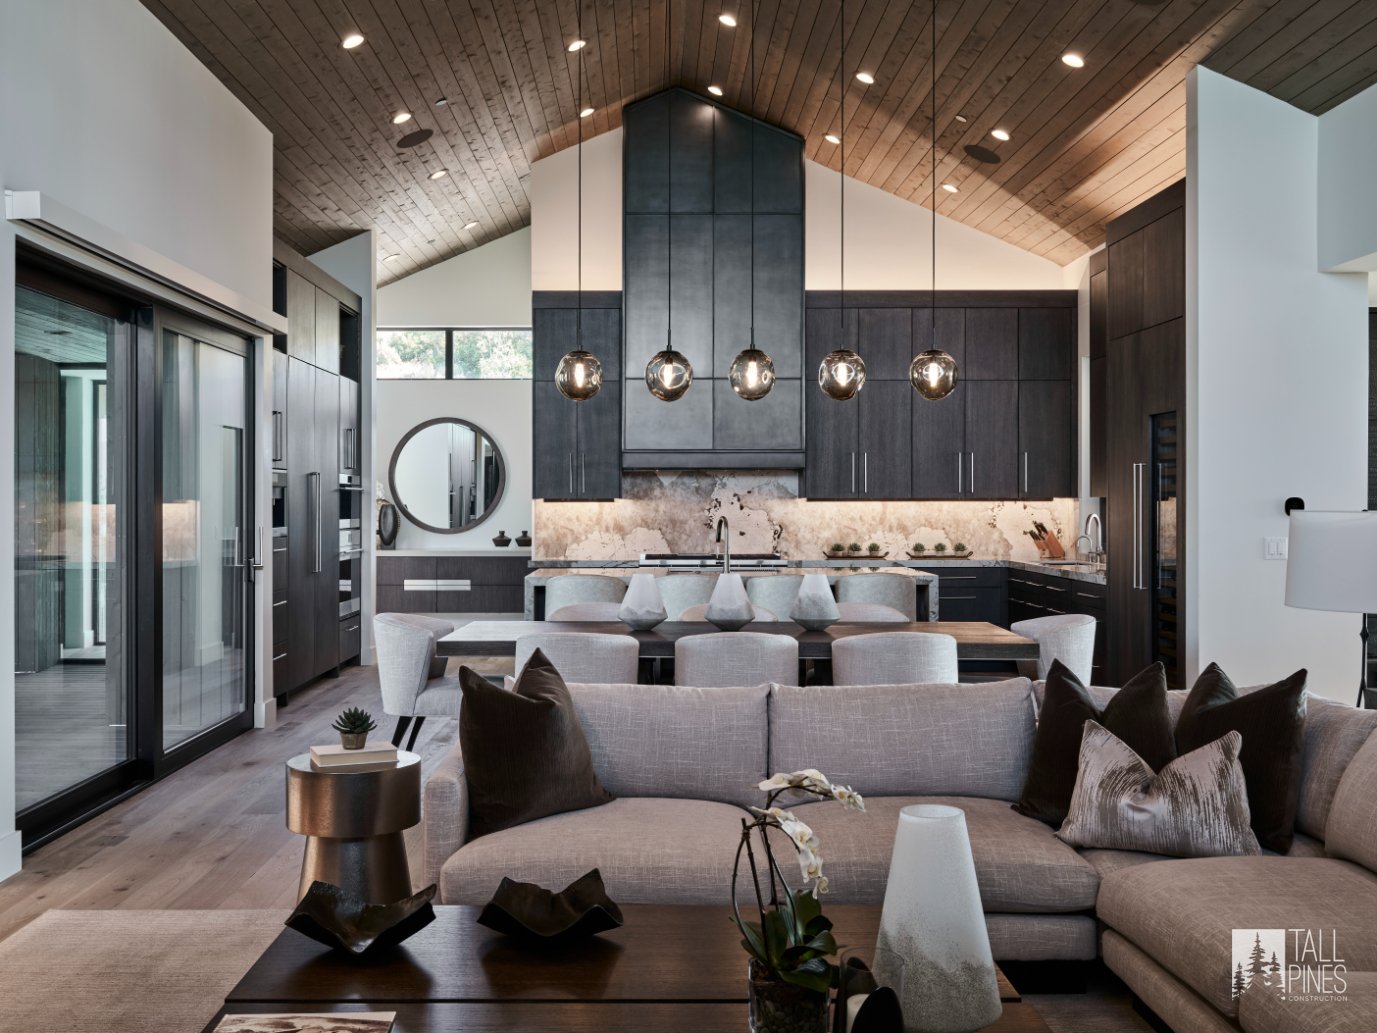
897,591
734,658
569,589
700,613
870,613
680,591
584,657
1068,637
412,678
774,592
585,612
894,658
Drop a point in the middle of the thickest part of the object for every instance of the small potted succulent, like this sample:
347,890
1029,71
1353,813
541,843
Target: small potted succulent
873,548
854,548
837,548
940,548
918,548
353,726
960,549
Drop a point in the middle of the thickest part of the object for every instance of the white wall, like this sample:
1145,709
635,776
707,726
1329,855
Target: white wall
1276,385
1348,202
500,407
888,240
104,111
488,286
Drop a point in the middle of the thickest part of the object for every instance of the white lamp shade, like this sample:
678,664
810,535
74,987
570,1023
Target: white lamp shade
1332,562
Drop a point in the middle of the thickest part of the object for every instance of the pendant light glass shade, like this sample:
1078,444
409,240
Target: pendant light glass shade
841,374
933,374
752,374
578,376
668,375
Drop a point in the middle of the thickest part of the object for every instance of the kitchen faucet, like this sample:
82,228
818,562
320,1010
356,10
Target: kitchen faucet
1097,542
726,542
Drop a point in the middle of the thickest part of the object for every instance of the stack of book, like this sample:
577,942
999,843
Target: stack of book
370,756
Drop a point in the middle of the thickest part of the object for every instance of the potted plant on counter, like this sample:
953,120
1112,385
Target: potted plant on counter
353,726
917,550
837,549
854,548
873,548
960,549
940,548
788,939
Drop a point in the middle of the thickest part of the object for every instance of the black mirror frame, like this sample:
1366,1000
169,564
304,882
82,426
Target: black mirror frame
501,476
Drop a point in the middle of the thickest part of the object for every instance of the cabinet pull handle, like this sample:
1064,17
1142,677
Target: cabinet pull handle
258,553
1137,558
280,656
583,471
318,519
571,473
853,473
1050,609
865,473
959,474
1025,473
972,473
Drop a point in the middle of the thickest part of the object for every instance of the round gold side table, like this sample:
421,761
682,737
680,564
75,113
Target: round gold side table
353,822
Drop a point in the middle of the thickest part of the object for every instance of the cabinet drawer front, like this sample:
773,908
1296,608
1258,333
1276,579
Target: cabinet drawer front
397,570
350,638
480,599
281,684
482,570
972,604
396,599
956,578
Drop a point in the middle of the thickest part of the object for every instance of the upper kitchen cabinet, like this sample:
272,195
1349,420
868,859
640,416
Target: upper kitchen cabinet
1099,372
576,446
712,245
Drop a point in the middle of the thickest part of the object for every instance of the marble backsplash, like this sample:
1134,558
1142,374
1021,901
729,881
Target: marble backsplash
675,511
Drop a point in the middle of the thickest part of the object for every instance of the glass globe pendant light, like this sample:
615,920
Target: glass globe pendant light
842,372
933,372
579,373
752,372
668,374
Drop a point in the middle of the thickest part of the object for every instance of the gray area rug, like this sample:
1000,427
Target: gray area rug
141,971
127,971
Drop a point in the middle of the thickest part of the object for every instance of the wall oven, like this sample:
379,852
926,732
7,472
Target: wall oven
350,545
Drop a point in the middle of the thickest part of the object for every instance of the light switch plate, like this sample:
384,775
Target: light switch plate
1274,548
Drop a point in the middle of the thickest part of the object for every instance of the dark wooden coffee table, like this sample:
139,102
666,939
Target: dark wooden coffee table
668,969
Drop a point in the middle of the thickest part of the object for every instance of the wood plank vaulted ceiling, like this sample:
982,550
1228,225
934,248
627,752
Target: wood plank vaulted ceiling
1085,144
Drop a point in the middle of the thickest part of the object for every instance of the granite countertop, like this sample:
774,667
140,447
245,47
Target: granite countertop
624,570
927,569
491,550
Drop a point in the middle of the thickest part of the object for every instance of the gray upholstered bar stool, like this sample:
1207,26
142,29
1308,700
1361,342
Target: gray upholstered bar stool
870,613
774,592
735,658
897,591
584,657
680,591
700,613
894,658
1068,637
570,589
411,676
585,612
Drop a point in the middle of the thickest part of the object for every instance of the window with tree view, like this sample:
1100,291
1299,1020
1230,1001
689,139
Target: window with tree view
455,353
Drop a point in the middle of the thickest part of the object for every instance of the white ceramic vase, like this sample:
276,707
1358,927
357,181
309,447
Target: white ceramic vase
815,607
729,607
642,607
934,950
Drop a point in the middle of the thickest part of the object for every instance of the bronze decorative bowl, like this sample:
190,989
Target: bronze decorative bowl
527,911
338,919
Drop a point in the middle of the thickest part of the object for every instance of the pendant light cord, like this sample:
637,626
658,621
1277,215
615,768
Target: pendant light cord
933,344
754,4
841,173
669,185
578,338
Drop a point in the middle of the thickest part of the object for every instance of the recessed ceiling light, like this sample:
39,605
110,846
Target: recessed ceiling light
716,91
1000,134
961,118
1073,60
866,78
728,20
439,174
442,102
586,112
351,41
470,225
391,258
576,44
951,188
831,138
400,117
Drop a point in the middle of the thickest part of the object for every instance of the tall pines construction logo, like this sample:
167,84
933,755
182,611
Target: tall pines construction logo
1294,964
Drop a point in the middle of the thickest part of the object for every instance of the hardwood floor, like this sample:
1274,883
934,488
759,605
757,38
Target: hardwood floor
213,834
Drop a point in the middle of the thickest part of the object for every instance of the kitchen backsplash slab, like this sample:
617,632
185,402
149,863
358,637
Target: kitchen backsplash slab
674,511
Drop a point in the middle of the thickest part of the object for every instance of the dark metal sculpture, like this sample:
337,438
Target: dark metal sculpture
525,910
338,919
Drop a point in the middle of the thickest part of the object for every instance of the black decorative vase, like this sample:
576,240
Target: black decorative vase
524,539
501,540
389,523
780,1007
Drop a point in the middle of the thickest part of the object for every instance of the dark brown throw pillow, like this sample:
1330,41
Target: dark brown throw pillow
1272,723
525,754
1137,714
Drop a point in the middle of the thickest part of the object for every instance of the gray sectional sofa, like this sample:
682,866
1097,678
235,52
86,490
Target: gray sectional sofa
684,762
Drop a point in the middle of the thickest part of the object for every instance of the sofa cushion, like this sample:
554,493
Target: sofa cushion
649,851
1354,1011
1102,694
677,741
1179,1007
1183,913
1350,831
1020,866
902,740
1106,861
1334,733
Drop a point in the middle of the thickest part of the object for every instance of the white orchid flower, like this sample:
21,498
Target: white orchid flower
812,778
848,798
820,887
778,780
810,864
800,833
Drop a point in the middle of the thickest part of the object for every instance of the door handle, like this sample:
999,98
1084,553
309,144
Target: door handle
1137,557
277,435
972,473
316,519
258,553
571,473
347,464
583,480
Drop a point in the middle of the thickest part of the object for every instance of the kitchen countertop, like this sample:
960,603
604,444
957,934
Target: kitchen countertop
541,575
929,568
491,550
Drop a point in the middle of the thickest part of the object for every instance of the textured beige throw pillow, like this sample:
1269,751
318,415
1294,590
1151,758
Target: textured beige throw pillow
1196,806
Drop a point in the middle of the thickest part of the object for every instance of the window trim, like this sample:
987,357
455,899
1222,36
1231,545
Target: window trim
448,331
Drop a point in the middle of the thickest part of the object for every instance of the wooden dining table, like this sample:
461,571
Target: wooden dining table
975,640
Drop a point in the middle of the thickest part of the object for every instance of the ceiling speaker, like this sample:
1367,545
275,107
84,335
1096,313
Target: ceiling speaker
415,139
982,154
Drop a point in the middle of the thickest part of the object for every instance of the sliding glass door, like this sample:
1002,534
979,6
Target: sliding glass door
134,528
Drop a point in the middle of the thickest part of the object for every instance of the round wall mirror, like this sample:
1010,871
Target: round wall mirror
447,475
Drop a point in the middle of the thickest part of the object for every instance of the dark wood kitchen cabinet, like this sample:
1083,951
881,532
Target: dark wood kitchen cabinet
992,461
939,447
1046,439
576,446
278,430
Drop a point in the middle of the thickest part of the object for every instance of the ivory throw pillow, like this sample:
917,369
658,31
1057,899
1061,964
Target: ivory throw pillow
1196,806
